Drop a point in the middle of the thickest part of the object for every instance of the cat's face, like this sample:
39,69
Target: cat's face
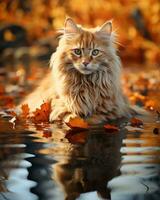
86,54
86,50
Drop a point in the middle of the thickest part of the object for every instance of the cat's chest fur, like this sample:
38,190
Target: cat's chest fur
88,94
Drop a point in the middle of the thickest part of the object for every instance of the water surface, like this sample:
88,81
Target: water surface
45,164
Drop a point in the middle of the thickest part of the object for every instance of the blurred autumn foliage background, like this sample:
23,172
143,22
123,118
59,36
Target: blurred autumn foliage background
137,22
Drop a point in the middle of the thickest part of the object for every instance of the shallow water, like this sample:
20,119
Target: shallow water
45,165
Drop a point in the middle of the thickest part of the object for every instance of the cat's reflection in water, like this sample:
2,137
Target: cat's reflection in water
88,167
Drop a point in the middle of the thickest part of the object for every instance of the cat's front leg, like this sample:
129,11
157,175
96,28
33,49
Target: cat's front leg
58,109
60,112
61,115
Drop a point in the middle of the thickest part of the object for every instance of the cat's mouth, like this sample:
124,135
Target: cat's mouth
84,70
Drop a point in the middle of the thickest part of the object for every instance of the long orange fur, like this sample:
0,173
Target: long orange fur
94,91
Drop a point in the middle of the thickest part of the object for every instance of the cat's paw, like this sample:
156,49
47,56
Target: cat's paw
57,115
59,111
61,115
68,117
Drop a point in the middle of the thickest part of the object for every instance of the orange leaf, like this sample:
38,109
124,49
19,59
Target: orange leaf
42,114
47,133
77,123
136,122
111,128
25,111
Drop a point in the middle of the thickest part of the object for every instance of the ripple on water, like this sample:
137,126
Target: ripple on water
140,168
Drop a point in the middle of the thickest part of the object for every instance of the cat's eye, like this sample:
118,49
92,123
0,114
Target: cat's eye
95,52
77,52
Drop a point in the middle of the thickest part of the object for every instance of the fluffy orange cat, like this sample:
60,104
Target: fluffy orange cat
85,76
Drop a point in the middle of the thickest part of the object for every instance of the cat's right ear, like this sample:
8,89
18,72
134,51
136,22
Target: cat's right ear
70,26
106,28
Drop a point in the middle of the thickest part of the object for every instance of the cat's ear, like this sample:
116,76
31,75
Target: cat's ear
70,26
106,28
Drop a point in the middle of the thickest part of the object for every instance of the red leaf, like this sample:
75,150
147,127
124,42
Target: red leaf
136,122
47,133
111,128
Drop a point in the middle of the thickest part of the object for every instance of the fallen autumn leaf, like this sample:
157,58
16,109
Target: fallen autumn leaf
136,122
111,128
77,123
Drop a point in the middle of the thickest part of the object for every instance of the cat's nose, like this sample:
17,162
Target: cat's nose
85,63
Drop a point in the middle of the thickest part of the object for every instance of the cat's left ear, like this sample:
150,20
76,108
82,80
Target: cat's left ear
106,28
70,26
